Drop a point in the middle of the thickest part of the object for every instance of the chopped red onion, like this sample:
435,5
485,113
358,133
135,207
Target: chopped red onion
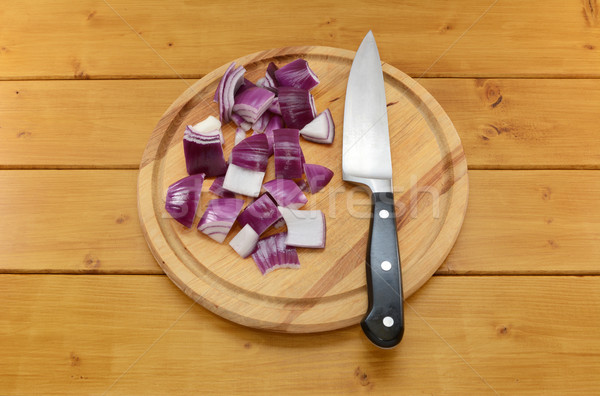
272,253
211,126
203,154
276,122
321,129
243,181
245,241
286,147
247,84
217,188
286,193
252,153
240,122
183,197
232,80
297,107
252,103
240,135
297,74
261,124
318,176
271,80
260,214
274,108
219,217
306,228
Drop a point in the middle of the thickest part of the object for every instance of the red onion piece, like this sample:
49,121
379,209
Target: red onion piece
260,214
252,153
271,253
317,176
297,107
302,184
306,228
240,122
261,124
286,193
240,135
183,197
321,129
243,181
232,80
245,241
297,74
217,188
276,122
274,108
211,126
219,217
252,103
203,154
270,79
286,147
247,84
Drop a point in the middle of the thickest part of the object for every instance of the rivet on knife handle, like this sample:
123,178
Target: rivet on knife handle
384,322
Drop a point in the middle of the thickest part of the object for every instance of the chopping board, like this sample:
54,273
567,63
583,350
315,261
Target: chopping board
328,291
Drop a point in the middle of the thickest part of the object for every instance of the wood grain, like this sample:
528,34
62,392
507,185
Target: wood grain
106,124
74,221
97,39
328,291
512,332
518,222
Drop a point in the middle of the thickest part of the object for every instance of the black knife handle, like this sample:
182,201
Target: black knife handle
384,322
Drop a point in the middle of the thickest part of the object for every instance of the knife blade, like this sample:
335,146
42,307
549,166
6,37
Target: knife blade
367,161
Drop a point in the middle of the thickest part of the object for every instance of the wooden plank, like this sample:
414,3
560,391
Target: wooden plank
97,39
74,221
80,124
536,123
141,335
522,222
527,222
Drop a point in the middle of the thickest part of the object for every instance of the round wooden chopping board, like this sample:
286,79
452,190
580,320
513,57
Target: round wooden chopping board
329,290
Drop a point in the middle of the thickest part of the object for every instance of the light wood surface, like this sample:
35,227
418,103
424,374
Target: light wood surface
540,222
103,39
107,123
465,335
519,80
328,291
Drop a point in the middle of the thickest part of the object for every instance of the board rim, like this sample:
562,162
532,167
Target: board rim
205,294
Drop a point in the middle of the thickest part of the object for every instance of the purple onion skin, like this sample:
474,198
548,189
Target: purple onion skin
222,209
271,253
276,122
296,107
204,158
252,103
297,74
252,153
183,197
271,69
246,85
260,214
317,176
288,155
285,193
217,188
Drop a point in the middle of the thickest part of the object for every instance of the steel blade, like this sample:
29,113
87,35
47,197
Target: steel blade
366,140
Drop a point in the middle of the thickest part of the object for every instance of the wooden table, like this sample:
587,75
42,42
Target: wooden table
515,309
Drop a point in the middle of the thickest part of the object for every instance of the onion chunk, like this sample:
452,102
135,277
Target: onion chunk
306,228
260,214
183,197
219,217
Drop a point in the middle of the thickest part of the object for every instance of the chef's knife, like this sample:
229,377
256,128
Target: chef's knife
367,161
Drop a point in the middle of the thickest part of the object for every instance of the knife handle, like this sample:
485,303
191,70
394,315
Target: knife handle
384,322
